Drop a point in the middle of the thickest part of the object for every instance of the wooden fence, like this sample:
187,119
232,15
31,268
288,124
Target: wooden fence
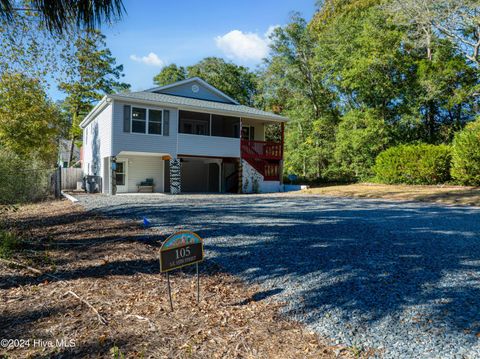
70,177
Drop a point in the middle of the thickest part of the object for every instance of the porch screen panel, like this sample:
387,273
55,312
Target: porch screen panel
126,118
225,126
195,123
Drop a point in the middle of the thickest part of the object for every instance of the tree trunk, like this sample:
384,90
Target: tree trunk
72,146
72,138
430,123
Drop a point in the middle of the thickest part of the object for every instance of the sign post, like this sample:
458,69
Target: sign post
179,250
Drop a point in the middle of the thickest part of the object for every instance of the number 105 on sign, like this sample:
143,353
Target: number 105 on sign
182,249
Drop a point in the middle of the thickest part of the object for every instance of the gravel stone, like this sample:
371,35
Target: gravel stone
403,277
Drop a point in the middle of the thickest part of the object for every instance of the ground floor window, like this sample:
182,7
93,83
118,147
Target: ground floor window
120,174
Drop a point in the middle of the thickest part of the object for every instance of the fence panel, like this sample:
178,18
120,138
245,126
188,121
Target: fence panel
70,177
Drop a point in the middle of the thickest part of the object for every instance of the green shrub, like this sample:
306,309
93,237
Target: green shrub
21,179
414,164
466,155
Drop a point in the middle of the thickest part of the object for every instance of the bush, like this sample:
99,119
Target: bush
466,155
22,180
414,164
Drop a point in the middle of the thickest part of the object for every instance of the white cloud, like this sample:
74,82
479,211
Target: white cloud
151,59
245,46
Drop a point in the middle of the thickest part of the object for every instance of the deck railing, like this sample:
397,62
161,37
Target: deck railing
261,149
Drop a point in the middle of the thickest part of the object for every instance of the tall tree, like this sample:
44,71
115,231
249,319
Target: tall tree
170,74
93,74
456,20
30,123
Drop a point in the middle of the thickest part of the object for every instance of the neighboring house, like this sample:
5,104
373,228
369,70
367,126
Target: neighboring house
64,153
183,137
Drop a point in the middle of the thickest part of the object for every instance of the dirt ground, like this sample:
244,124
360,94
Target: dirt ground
440,194
95,284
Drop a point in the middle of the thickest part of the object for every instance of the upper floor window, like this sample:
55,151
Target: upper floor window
155,122
145,120
139,120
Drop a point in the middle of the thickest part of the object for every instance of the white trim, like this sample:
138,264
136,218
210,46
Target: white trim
125,174
69,197
193,79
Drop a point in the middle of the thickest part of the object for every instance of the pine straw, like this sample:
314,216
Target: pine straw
113,266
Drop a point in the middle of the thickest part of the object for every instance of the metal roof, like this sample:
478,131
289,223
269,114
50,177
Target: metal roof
197,104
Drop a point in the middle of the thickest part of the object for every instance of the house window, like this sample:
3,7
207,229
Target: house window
194,123
248,133
154,122
139,119
120,174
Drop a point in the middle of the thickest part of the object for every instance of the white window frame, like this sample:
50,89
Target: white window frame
147,120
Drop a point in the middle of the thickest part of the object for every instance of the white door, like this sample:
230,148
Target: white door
122,176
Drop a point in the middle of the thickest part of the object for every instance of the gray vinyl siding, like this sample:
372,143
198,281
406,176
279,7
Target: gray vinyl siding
97,142
138,142
210,146
185,90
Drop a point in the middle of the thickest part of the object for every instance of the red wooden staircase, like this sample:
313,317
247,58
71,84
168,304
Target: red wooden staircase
264,156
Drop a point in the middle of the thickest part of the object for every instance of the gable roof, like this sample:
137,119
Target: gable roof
162,89
152,97
193,104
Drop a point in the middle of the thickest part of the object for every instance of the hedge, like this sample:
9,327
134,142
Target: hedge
466,155
414,164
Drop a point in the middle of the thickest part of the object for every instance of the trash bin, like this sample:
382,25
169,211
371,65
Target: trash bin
91,184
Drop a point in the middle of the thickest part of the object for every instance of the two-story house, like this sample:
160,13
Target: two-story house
183,137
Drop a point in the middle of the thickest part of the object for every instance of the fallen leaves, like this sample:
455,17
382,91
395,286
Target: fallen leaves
119,302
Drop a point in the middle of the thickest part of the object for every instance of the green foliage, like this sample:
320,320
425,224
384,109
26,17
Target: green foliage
170,74
414,164
23,179
361,136
29,122
466,155
92,73
60,16
364,75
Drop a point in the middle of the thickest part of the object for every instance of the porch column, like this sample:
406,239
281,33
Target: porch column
175,176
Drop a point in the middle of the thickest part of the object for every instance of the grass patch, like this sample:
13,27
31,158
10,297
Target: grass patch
9,243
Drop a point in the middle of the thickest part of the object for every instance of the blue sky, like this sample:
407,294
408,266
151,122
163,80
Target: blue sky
155,33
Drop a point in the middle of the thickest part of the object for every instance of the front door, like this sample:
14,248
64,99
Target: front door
121,176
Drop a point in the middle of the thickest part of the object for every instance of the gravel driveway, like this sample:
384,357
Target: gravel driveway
397,276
